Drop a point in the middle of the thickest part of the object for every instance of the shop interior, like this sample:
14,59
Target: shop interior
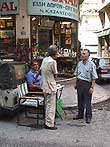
62,32
44,32
7,36
104,42
51,30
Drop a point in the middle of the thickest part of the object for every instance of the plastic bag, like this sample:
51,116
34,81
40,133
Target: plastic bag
59,108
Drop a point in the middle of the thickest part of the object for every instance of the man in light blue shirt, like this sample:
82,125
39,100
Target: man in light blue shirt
86,71
85,80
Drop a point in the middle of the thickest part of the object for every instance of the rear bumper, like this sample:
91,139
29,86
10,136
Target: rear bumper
104,76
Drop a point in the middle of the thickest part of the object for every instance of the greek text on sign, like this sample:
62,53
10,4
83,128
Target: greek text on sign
59,8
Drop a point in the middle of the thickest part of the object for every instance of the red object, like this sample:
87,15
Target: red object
6,40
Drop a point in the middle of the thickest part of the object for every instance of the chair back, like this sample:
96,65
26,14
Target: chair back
23,89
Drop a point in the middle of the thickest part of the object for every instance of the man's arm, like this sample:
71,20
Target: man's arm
75,83
75,79
54,69
33,87
38,73
92,87
93,84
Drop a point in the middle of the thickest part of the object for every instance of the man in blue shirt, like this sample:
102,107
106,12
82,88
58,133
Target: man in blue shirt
33,79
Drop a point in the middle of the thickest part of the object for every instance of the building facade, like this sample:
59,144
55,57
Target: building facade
32,25
104,32
89,25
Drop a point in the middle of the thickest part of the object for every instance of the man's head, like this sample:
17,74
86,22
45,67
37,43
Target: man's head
52,50
34,65
85,54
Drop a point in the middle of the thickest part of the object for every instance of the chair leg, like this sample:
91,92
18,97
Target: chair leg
18,114
17,118
40,114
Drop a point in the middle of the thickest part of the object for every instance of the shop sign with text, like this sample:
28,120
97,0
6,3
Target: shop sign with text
59,8
8,7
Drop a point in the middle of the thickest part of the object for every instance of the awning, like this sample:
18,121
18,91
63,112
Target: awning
104,32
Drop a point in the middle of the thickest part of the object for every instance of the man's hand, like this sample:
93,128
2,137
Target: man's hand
75,86
75,83
91,90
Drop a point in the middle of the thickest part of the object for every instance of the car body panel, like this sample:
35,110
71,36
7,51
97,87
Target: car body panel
102,67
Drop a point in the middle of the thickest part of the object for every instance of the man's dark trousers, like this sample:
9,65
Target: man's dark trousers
84,98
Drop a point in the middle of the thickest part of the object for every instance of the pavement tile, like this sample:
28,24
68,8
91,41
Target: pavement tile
69,94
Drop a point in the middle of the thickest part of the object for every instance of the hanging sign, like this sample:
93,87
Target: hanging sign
58,8
8,7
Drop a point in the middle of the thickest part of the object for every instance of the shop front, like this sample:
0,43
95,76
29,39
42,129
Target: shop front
54,22
104,33
104,43
35,24
8,11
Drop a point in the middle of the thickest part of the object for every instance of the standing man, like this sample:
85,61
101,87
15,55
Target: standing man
48,72
85,80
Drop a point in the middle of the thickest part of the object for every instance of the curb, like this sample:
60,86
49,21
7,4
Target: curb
73,107
93,104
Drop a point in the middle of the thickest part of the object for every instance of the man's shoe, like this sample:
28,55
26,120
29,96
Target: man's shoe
77,117
50,128
88,120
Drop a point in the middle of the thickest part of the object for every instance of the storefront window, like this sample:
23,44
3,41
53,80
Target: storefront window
65,34
52,30
7,37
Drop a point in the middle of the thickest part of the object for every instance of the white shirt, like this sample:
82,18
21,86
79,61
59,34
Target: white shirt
48,70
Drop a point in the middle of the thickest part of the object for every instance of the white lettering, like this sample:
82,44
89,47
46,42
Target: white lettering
39,4
54,5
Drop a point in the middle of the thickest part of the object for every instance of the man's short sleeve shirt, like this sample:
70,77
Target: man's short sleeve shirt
86,71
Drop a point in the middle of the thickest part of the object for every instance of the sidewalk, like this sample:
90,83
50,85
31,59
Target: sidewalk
69,96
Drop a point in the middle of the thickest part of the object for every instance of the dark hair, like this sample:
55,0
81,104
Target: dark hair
87,51
32,62
52,50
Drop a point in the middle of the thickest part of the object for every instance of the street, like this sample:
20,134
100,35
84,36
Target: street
66,31
70,133
106,104
105,84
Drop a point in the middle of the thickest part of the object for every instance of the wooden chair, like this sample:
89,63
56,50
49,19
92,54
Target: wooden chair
32,105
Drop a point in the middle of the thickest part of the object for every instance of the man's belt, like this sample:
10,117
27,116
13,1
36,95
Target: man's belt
80,80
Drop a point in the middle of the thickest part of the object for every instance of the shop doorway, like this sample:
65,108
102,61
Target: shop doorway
41,33
45,39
